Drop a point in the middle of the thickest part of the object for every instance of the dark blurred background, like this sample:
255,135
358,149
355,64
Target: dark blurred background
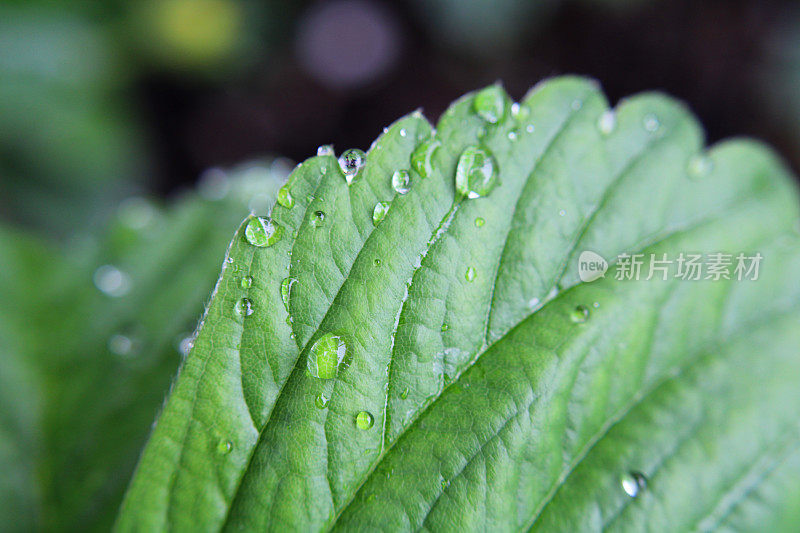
101,100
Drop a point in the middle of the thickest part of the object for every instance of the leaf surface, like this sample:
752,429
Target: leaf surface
505,393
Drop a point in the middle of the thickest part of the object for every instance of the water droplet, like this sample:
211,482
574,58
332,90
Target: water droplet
317,218
186,344
321,401
607,122
422,157
403,132
596,305
470,274
533,303
246,282
325,149
401,181
580,314
136,213
351,162
633,483
379,213
699,166
327,356
651,123
262,231
244,307
445,327
404,394
285,197
121,345
490,104
112,281
529,128
364,420
286,291
479,222
377,262
512,135
224,447
519,112
562,213
476,173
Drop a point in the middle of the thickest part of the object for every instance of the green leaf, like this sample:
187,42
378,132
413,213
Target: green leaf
83,373
505,393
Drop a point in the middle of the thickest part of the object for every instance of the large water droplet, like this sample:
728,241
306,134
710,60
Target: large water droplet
476,173
317,218
286,291
112,281
325,149
327,356
490,104
607,122
244,307
379,213
699,166
321,401
285,197
470,274
633,483
422,157
261,231
364,420
401,181
351,161
580,314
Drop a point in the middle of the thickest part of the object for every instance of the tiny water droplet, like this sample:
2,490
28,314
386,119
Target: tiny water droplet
403,132
651,123
401,181
224,447
633,483
121,345
470,274
562,213
529,128
479,222
445,327
186,344
285,197
404,394
699,166
112,281
321,401
607,122
596,305
327,356
580,314
377,262
262,231
476,173
422,158
512,135
325,149
364,420
317,218
244,307
519,112
490,104
246,282
351,161
379,213
533,303
286,291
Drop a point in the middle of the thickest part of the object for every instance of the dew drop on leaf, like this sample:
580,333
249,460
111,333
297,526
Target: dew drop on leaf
512,135
651,123
317,218
422,157
633,483
261,231
401,181
476,173
246,282
379,213
244,307
112,281
479,222
490,104
470,274
327,356
403,132
404,394
580,314
351,161
121,345
607,122
224,447
286,291
325,149
445,327
321,401
285,197
529,128
377,262
364,420
519,112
